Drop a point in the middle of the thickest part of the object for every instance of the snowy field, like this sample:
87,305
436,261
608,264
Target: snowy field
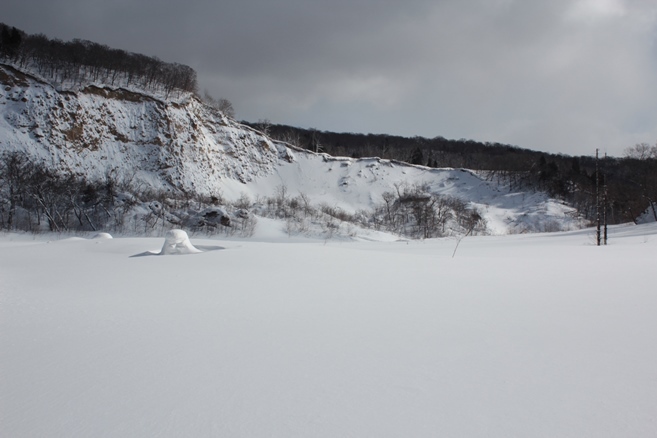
516,336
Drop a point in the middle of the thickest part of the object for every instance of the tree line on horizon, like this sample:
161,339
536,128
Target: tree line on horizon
79,62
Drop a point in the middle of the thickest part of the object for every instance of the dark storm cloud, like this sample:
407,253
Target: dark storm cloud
565,76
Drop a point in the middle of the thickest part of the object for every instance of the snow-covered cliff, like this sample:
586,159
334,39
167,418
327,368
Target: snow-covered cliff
183,145
186,146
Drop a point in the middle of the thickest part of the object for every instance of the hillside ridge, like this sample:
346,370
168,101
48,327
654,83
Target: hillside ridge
188,150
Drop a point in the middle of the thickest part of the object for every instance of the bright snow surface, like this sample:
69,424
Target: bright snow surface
516,336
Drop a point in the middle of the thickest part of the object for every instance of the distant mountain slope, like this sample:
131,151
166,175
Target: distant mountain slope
185,146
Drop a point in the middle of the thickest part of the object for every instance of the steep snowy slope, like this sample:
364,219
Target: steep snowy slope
176,145
187,146
354,184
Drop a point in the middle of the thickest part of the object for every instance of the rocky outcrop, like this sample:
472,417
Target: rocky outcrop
181,145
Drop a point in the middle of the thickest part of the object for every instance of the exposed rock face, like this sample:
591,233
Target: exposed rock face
181,145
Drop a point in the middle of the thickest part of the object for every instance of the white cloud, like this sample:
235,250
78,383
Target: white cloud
590,11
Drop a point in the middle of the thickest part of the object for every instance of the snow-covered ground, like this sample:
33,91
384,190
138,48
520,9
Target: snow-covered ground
516,336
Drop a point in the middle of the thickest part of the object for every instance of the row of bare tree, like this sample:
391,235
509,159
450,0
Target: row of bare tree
81,62
35,199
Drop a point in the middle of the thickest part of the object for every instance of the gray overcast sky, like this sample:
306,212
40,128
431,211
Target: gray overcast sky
562,76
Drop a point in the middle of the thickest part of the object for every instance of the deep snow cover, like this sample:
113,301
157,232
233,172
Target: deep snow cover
186,146
516,336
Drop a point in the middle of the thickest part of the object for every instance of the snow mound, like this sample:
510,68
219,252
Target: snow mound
177,242
102,236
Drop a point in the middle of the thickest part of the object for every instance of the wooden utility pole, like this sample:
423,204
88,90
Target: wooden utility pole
604,201
597,200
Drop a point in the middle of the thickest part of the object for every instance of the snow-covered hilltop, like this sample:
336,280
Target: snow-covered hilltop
184,146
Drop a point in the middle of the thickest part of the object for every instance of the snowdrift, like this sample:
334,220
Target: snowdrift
177,242
514,337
